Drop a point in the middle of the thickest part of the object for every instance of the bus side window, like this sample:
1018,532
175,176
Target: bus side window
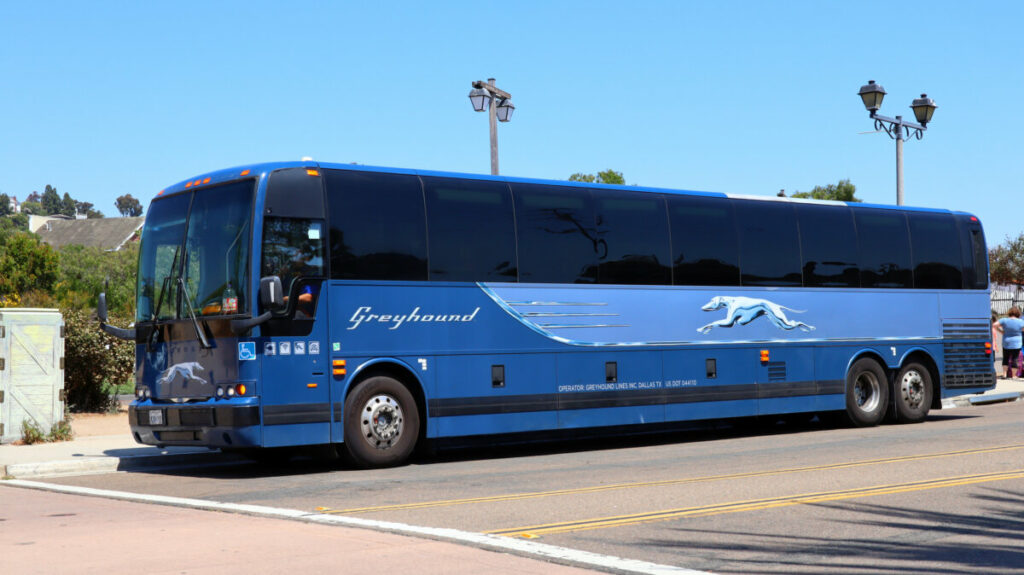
293,250
828,244
377,225
769,244
935,247
884,249
633,231
704,246
471,230
558,240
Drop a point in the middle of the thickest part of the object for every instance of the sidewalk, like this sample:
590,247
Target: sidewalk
48,532
103,444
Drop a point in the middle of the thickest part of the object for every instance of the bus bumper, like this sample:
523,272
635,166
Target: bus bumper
203,425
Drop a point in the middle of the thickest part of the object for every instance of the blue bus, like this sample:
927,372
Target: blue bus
374,308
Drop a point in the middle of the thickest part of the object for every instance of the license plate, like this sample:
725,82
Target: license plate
156,417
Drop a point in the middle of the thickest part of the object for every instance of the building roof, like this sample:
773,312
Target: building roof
105,233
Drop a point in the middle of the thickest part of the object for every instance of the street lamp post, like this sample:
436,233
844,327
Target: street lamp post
483,97
872,94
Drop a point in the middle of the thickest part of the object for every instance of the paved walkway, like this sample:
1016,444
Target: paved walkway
46,532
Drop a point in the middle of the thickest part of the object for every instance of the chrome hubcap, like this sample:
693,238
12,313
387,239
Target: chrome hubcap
866,391
912,389
382,421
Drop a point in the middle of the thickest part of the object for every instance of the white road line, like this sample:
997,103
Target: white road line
516,546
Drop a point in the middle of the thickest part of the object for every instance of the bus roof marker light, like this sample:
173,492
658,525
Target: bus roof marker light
245,172
312,172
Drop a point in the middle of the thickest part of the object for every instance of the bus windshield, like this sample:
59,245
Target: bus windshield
203,238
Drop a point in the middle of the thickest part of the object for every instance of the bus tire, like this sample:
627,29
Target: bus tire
382,423
912,393
867,393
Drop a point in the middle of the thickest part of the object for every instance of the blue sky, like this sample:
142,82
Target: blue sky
100,99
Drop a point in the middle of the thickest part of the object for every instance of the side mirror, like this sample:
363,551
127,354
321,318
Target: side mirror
271,294
101,308
101,313
272,300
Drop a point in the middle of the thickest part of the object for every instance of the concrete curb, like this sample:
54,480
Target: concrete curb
983,399
108,464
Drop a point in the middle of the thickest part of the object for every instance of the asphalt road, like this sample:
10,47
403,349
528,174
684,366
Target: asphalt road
945,496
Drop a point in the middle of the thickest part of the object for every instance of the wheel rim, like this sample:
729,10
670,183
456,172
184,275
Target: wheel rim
912,389
382,421
866,390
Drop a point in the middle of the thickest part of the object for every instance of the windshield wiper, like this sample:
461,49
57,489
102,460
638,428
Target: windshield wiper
192,314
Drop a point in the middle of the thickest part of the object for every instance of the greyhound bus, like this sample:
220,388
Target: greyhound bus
374,308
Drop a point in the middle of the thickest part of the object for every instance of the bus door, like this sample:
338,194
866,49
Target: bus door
294,381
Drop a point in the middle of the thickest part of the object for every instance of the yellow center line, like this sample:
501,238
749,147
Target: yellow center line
534,531
662,483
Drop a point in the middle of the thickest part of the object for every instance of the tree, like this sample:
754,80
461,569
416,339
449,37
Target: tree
26,263
85,271
12,223
5,205
32,208
51,201
68,206
34,197
605,177
128,206
842,192
1006,261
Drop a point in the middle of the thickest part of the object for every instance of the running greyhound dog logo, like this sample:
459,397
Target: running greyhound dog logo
743,310
187,371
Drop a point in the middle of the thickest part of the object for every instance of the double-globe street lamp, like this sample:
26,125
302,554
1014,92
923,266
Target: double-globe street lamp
483,97
872,94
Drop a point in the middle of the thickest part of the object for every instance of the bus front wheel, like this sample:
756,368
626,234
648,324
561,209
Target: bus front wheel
913,393
867,393
382,423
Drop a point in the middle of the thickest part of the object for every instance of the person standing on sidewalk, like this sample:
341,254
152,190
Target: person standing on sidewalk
1011,328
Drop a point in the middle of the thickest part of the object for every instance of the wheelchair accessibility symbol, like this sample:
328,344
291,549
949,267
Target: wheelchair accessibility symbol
246,351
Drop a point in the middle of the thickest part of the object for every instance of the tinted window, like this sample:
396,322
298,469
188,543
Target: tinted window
471,230
936,251
634,244
828,244
884,249
294,193
704,248
769,244
377,226
557,239
974,253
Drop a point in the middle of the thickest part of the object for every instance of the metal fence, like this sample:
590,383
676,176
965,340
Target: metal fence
1006,296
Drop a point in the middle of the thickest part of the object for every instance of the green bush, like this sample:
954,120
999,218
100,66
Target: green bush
31,433
94,359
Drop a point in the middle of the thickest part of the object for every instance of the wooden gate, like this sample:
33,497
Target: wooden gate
31,370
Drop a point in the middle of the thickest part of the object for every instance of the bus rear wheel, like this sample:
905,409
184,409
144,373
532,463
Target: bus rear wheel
382,423
867,393
913,393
